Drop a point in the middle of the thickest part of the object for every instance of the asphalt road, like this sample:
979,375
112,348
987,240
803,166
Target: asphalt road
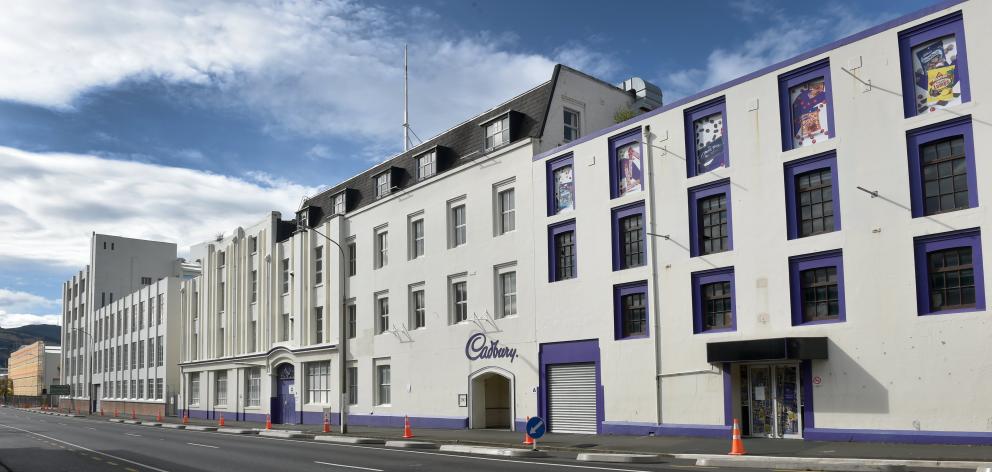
33,442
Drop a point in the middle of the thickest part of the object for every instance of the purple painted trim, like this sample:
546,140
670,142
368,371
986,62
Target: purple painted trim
569,352
698,193
553,231
718,105
928,134
794,169
253,417
557,163
624,428
899,436
766,70
317,417
910,38
627,289
797,264
924,245
618,214
433,422
699,279
631,136
806,390
800,76
728,391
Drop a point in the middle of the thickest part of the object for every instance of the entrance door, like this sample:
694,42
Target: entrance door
96,397
572,398
771,401
491,400
285,404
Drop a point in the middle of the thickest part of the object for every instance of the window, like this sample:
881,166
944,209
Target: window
506,209
426,165
318,382
352,383
949,275
252,335
285,276
561,185
706,137
817,286
458,298
806,105
159,302
506,293
352,321
812,197
159,351
381,248
352,259
141,353
339,204
381,313
562,257
458,225
498,132
571,124
254,387
284,327
220,296
713,306
252,244
158,389
138,393
418,306
134,355
318,265
416,238
382,381
318,324
221,259
625,164
942,167
220,387
629,249
254,286
934,65
146,281
710,218
194,388
150,360
383,184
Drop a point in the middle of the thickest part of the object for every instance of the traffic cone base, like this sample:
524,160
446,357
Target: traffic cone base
327,424
407,433
736,444
221,422
268,422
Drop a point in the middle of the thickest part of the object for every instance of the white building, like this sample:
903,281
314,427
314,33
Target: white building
124,299
799,248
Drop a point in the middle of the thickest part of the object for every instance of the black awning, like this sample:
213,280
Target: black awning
775,349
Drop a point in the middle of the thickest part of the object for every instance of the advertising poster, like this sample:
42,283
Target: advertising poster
629,168
709,142
809,113
936,78
564,189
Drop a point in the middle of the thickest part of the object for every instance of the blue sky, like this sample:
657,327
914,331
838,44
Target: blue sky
178,120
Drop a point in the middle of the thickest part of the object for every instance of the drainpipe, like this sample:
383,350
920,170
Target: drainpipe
652,224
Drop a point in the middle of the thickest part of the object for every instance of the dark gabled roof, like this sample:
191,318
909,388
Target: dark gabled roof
457,146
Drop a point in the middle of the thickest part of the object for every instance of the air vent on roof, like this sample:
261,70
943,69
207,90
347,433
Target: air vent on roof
648,95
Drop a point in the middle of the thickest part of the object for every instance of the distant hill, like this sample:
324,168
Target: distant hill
13,338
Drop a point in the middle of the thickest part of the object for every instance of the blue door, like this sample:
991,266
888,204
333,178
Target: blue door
284,408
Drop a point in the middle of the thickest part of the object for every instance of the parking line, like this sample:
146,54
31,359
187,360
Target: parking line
347,466
203,445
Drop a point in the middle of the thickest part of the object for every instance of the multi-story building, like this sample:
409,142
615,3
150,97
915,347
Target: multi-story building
33,368
799,248
126,279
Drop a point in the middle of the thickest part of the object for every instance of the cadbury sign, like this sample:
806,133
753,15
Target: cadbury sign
478,347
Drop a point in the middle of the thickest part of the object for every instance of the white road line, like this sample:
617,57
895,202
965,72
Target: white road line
132,434
203,445
94,429
139,464
347,466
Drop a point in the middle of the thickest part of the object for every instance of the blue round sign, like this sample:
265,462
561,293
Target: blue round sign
536,427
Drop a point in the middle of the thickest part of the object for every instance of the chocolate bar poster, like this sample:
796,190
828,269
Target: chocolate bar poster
935,75
810,108
629,168
564,189
709,142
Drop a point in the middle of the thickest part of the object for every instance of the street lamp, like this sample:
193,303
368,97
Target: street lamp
342,336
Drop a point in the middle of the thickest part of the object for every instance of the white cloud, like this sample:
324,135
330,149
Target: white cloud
15,305
15,320
52,202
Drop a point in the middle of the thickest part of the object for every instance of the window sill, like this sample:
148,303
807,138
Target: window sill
320,285
716,331
933,117
811,150
639,336
819,322
953,311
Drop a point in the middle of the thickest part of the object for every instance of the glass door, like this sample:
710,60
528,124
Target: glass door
787,403
761,422
772,400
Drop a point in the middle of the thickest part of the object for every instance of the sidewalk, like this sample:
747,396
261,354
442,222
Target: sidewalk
669,445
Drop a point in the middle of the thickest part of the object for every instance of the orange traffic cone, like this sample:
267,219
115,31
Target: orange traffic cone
186,418
327,424
133,415
268,422
101,411
115,412
220,423
528,441
158,416
407,434
736,445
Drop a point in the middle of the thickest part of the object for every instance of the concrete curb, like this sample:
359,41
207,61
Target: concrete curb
151,424
132,422
285,434
236,431
493,451
200,428
115,420
825,463
348,440
411,444
173,425
619,458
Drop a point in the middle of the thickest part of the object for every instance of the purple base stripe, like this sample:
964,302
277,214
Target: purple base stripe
387,421
651,429
899,436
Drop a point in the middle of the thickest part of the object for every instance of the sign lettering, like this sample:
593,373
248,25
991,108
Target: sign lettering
479,347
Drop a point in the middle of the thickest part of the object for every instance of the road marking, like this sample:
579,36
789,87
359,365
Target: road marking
87,449
203,445
94,429
347,466
129,469
132,434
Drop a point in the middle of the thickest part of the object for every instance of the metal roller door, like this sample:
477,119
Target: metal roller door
572,398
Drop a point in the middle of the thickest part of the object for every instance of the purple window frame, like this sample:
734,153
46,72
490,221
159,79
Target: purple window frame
924,245
909,38
699,193
555,230
798,167
619,291
797,264
616,142
918,137
618,214
695,113
725,274
797,77
553,165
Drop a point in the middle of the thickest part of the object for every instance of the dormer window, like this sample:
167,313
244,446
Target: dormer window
339,204
303,218
498,132
427,165
383,184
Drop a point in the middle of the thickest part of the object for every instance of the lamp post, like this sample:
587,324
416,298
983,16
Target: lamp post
342,337
89,370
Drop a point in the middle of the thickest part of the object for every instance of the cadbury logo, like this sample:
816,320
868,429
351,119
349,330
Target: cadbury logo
478,347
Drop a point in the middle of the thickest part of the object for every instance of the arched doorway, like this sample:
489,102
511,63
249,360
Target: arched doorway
491,400
284,403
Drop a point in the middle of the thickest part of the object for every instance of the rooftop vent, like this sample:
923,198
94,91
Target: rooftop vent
648,95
